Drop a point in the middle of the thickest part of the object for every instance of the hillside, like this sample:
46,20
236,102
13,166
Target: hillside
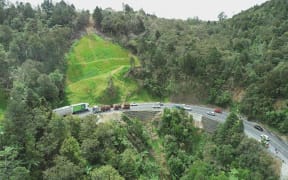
94,66
239,62
3,104
206,61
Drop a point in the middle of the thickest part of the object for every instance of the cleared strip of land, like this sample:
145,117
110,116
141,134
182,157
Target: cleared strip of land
92,62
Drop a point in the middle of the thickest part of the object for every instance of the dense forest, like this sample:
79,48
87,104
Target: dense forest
239,62
244,55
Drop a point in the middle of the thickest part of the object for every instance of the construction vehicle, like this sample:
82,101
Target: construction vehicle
117,106
105,108
126,106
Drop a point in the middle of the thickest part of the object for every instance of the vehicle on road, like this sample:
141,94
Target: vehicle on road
126,106
178,107
218,110
272,143
156,106
78,108
160,103
72,109
187,108
133,104
96,109
63,111
265,137
211,113
116,107
258,127
264,140
105,108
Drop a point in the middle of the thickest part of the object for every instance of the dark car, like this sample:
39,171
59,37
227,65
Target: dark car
258,127
178,107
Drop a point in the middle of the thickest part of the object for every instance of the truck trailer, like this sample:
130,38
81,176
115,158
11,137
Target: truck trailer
72,109
63,111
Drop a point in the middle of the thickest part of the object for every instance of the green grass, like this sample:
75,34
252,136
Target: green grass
3,104
91,61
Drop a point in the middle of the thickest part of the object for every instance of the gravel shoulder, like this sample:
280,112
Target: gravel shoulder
284,171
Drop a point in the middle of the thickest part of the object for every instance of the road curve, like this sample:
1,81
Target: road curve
277,146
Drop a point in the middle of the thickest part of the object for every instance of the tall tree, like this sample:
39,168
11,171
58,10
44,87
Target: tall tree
128,164
222,16
71,150
63,14
47,6
64,170
105,172
98,17
10,167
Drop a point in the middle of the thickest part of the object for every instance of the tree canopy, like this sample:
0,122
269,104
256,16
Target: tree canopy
241,60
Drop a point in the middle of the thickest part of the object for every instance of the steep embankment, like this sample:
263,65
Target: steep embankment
97,73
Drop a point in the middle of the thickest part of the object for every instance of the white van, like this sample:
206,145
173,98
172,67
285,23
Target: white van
264,137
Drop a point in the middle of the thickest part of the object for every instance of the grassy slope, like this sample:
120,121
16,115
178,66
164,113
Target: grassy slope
91,62
3,104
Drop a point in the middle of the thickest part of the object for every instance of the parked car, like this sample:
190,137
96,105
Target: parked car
211,113
258,127
133,104
218,110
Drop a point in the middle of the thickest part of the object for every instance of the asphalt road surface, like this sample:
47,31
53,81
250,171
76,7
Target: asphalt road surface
277,146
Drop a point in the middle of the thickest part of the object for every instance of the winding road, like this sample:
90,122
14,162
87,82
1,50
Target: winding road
277,146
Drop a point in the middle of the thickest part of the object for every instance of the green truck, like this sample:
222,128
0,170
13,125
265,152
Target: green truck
81,107
72,109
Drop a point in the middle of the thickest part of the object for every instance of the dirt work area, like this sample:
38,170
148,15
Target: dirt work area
104,117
